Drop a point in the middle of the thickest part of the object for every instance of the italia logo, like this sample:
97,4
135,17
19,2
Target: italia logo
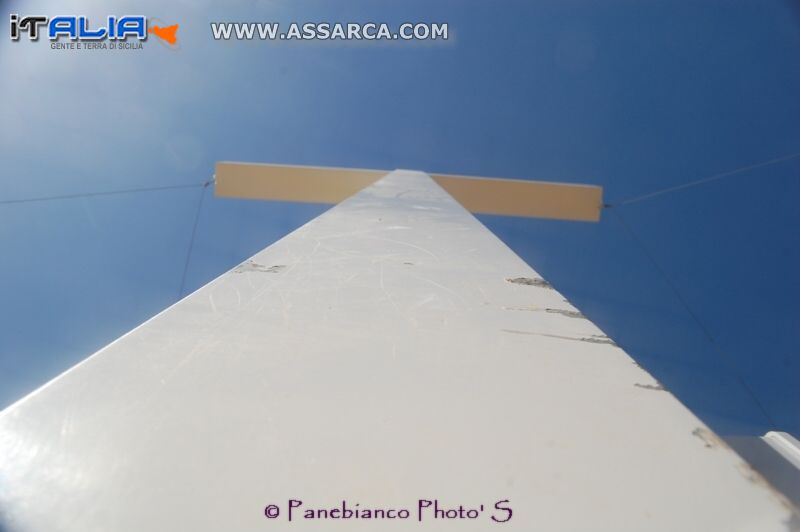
79,29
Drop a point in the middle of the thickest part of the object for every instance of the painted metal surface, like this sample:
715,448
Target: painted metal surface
311,184
514,197
770,457
391,350
314,184
784,444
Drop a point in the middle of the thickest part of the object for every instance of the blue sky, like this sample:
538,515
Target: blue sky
699,286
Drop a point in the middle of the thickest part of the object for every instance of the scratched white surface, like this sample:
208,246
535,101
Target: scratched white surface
378,354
